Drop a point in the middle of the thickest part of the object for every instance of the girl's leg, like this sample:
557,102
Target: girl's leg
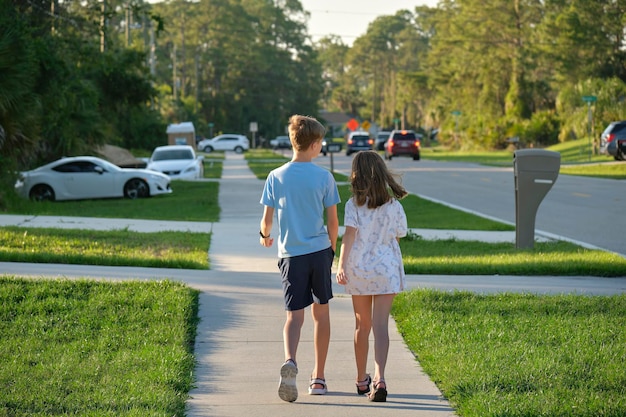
380,326
291,333
362,305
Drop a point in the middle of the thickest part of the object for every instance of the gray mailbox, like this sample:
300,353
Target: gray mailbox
535,172
333,147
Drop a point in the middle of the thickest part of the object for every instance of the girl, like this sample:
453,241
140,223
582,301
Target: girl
370,264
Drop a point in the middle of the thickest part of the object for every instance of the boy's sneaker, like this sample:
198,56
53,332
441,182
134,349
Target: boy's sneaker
287,389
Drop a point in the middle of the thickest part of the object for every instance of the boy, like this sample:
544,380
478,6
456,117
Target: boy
300,191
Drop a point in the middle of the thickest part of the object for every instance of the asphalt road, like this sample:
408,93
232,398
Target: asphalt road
587,211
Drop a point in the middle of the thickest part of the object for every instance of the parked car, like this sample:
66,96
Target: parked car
613,140
358,141
403,143
225,142
86,177
381,138
179,162
280,142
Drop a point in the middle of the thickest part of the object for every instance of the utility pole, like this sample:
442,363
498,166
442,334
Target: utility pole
52,8
127,32
103,23
152,51
174,74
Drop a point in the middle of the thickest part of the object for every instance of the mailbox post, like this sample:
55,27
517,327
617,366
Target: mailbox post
535,172
333,148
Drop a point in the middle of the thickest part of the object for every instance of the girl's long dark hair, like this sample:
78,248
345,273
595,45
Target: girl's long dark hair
371,180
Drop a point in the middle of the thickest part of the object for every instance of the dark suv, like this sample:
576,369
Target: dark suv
358,141
403,143
613,140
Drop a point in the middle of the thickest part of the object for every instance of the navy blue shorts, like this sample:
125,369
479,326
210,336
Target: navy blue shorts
307,279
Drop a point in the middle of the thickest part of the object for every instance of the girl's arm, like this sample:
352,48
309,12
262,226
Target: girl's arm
346,246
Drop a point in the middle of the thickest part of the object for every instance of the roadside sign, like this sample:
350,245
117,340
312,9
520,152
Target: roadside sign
590,99
365,125
352,124
254,127
456,113
333,147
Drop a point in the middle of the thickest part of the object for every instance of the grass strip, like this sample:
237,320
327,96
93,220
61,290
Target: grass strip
213,168
90,348
425,214
607,170
520,355
456,257
114,248
190,201
189,251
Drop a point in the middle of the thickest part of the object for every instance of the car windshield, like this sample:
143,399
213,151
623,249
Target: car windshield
172,154
361,137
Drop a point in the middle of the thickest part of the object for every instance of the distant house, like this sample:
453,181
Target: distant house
335,123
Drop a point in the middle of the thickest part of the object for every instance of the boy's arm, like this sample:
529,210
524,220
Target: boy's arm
332,225
266,226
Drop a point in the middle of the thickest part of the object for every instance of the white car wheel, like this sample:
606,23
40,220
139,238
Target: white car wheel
136,188
42,192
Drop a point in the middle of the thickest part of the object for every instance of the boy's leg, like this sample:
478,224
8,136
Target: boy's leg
321,338
287,388
362,305
291,333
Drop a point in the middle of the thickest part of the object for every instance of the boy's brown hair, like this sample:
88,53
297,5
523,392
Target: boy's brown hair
370,179
304,131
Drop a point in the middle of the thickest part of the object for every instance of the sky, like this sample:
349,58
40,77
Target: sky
349,18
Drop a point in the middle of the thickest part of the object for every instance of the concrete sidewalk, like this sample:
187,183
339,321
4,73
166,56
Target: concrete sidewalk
239,343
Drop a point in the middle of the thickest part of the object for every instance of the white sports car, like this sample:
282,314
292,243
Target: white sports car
84,177
179,162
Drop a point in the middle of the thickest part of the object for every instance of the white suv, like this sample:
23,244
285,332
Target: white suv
225,142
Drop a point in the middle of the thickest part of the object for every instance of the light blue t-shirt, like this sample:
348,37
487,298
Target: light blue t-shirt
300,192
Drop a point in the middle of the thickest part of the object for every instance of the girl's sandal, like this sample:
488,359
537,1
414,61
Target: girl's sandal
318,391
379,395
363,387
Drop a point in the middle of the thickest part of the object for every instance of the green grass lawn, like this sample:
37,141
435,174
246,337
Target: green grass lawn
520,355
189,201
213,168
575,159
116,247
88,348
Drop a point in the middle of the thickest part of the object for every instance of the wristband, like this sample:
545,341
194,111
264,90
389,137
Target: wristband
264,237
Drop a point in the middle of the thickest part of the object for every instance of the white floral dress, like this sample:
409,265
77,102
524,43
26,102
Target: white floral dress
374,265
